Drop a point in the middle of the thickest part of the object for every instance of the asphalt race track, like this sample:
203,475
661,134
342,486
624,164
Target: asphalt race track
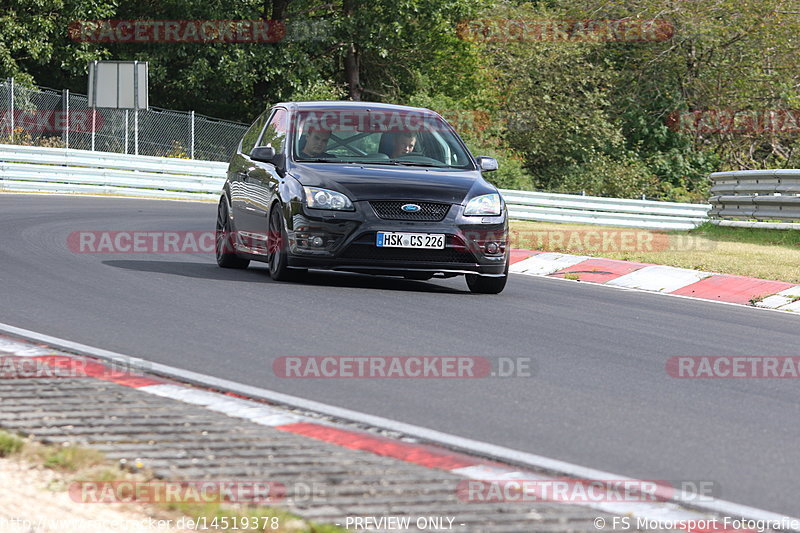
600,395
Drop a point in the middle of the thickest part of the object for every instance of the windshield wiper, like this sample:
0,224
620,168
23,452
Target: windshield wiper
413,163
338,160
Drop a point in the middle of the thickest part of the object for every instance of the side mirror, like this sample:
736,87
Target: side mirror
487,164
265,154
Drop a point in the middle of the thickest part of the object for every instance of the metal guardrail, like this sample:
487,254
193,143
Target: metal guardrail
741,196
64,170
34,168
570,208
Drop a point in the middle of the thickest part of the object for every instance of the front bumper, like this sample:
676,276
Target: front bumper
348,242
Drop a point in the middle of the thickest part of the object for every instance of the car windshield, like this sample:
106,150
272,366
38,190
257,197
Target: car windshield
380,137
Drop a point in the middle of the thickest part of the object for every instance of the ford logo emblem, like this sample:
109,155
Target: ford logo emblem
411,208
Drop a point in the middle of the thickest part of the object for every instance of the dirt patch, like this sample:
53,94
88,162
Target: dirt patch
35,500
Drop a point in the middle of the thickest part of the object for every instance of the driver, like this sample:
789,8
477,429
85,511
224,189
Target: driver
316,141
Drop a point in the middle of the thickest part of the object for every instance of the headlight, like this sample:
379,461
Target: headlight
325,199
486,205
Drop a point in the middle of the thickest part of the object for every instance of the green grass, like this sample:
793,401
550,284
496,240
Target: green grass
10,444
72,458
777,237
759,253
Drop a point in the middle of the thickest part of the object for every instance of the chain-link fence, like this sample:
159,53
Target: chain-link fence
48,117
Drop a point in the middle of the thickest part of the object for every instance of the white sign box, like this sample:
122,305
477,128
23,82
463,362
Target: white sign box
117,84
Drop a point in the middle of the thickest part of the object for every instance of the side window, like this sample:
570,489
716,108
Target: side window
275,134
250,136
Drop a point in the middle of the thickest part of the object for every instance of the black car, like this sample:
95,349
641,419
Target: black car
362,187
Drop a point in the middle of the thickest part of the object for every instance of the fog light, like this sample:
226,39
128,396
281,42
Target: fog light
317,241
492,248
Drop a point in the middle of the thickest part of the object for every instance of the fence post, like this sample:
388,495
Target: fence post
192,137
11,107
136,131
65,106
126,131
136,107
94,115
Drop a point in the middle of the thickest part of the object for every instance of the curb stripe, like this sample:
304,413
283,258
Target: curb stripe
419,454
257,412
75,366
732,289
518,255
659,278
546,263
727,288
782,299
600,270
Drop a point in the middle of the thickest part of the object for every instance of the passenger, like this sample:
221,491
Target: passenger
403,143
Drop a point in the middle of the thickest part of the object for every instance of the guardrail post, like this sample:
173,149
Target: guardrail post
65,107
192,137
11,106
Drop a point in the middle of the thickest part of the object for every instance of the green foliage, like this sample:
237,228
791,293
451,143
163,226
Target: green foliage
319,90
510,174
9,444
24,138
35,44
72,458
559,115
789,238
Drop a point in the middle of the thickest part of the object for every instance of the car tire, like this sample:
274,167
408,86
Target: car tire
485,285
223,240
277,242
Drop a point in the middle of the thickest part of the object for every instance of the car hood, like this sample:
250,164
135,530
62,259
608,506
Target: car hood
396,183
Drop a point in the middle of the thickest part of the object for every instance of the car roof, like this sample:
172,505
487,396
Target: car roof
340,105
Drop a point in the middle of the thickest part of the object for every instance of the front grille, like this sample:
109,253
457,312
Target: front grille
428,212
364,249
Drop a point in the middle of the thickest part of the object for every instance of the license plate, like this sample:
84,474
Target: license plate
431,241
